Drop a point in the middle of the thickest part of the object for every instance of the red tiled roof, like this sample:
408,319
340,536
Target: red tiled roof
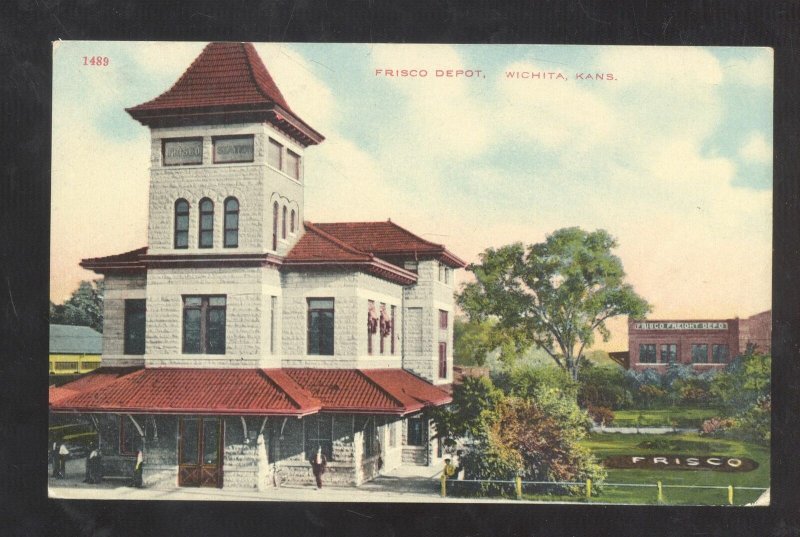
223,73
387,238
207,391
98,378
229,77
282,392
408,388
380,391
316,248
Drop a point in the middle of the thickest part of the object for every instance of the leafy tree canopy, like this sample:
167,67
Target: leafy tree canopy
555,294
83,308
535,436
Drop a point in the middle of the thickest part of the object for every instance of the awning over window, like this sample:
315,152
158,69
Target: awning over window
276,392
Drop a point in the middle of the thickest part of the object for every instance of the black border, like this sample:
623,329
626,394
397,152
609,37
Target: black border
28,26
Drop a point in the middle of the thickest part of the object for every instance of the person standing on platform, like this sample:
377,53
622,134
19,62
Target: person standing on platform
63,453
137,470
318,465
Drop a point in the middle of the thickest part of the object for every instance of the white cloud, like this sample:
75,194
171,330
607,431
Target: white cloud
756,148
306,94
757,71
441,116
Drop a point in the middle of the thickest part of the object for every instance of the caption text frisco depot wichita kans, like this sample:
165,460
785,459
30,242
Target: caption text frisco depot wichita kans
481,74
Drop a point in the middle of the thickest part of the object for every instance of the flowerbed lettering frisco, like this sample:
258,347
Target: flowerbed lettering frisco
681,462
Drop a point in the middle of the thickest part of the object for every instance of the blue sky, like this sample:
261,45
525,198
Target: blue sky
673,157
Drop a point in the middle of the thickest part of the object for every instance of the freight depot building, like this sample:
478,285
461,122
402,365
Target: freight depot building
704,344
243,338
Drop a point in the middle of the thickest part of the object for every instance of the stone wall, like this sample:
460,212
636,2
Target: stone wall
423,301
256,185
118,288
351,292
247,315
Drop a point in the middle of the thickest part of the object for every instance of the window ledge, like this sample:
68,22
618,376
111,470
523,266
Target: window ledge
283,173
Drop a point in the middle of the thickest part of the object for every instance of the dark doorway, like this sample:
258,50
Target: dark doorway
200,452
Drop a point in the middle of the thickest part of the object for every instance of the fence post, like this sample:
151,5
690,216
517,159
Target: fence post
660,493
444,485
730,494
588,488
518,483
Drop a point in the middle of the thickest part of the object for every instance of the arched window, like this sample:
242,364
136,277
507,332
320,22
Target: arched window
283,223
206,223
231,223
181,224
275,226
292,225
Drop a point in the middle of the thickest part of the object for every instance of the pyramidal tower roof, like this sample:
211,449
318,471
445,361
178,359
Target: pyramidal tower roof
226,83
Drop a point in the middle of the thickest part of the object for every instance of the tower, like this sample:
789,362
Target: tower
225,205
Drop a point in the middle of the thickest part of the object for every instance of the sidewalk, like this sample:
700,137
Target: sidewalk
416,484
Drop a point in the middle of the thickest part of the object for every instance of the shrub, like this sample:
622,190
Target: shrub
714,426
604,387
649,395
601,415
754,424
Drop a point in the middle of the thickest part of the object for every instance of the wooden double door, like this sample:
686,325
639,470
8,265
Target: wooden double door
200,452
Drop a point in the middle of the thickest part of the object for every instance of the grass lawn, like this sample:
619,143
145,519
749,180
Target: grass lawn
688,444
684,417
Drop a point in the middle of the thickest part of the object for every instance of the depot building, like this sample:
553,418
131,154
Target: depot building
244,338
702,343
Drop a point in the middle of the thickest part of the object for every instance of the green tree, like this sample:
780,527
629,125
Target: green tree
536,437
475,340
83,308
556,294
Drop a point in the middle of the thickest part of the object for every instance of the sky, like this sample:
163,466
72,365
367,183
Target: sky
671,153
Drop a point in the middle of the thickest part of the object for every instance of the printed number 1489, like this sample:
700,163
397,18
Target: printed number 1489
95,60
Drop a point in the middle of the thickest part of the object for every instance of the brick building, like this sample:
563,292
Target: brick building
244,338
705,344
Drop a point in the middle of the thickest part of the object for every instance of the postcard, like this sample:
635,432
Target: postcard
411,273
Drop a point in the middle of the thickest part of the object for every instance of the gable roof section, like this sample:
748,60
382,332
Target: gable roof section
99,378
317,248
192,391
388,239
227,80
125,262
67,339
408,388
373,391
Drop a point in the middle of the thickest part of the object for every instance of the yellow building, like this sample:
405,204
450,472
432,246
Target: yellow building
74,350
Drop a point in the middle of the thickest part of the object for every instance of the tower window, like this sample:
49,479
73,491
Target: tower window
275,226
181,224
283,223
292,223
293,165
231,223
275,154
206,223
